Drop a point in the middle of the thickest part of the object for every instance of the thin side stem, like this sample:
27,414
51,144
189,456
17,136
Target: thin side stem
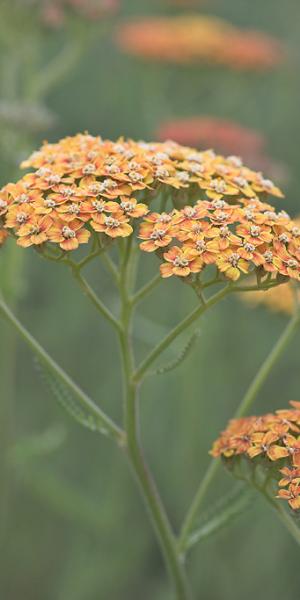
89,292
146,289
243,408
111,267
112,429
286,519
52,73
170,337
144,478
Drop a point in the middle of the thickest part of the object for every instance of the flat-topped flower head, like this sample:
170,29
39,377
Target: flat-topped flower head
199,39
272,439
105,187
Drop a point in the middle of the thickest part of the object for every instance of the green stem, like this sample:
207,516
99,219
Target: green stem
283,515
170,337
144,478
55,71
112,429
89,292
245,405
286,519
146,289
268,365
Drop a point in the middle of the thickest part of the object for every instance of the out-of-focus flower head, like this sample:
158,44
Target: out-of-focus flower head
54,12
280,299
271,440
194,39
84,185
211,132
226,137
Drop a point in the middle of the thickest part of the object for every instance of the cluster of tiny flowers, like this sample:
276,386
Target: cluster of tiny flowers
84,184
237,237
192,39
272,437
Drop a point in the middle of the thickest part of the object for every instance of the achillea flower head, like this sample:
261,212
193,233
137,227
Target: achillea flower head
272,440
194,39
84,185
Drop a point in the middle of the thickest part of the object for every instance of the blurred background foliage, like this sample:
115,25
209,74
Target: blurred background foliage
72,524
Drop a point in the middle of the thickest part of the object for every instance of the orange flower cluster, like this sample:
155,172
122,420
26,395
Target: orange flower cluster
84,185
273,437
194,39
236,237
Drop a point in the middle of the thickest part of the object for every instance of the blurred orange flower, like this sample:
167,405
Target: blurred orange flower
194,39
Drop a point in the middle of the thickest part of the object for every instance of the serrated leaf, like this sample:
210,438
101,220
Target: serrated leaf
67,400
183,354
222,513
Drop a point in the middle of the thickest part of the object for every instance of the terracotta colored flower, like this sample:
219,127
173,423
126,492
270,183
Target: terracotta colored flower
264,443
232,264
34,233
115,225
68,235
292,495
289,476
181,262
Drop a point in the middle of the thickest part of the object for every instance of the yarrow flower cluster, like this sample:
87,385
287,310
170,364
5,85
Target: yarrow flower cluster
273,438
193,39
237,238
84,185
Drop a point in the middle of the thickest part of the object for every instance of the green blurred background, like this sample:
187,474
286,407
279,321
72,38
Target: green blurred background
72,524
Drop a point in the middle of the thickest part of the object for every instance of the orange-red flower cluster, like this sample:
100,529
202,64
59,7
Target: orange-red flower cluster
273,437
194,39
84,185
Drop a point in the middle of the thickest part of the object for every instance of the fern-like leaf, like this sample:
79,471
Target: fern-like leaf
222,513
69,401
183,354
